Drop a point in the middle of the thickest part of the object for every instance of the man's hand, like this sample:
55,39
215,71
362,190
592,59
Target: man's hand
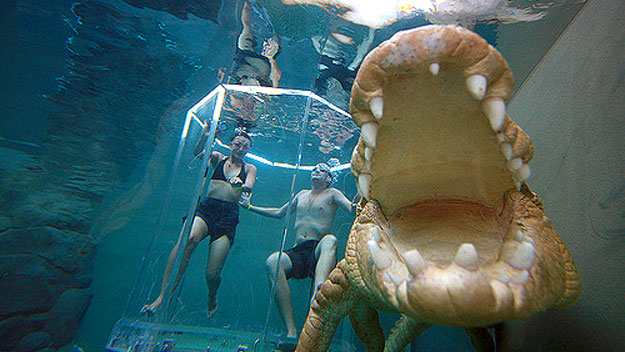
244,202
356,203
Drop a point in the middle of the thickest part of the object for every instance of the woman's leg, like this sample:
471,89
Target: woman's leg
217,254
198,232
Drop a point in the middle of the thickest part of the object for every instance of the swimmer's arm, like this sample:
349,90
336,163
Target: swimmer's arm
199,146
276,74
198,150
343,202
363,49
268,211
250,180
273,212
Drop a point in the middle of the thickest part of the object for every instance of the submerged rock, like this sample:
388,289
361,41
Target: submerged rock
33,342
65,316
12,330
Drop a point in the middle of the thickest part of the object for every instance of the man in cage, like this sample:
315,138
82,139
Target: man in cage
314,253
216,216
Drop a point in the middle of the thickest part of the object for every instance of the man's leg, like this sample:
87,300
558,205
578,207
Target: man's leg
326,261
217,254
198,233
282,294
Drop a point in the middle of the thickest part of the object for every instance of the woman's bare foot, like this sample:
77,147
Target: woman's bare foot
212,311
211,306
150,309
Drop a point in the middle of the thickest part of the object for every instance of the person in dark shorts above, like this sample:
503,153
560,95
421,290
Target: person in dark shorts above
251,68
216,216
339,59
314,254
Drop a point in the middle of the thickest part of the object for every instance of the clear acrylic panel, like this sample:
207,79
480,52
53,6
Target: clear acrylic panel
291,130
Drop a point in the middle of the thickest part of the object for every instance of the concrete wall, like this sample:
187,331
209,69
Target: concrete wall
573,107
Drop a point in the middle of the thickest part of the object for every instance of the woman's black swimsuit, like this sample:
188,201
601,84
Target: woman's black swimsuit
218,174
221,217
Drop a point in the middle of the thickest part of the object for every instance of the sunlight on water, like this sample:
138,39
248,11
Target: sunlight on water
378,14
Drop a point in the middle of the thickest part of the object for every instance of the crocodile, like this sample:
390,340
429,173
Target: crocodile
447,232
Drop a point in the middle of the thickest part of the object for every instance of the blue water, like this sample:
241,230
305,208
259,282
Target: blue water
97,91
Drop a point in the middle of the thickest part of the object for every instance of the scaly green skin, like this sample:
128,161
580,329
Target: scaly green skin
448,232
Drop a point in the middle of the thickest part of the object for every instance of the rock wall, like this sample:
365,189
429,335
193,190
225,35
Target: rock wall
103,120
45,259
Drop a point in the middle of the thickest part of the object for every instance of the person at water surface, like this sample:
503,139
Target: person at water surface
251,68
216,216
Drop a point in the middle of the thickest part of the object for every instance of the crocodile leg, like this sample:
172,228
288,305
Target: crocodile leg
334,300
405,331
364,320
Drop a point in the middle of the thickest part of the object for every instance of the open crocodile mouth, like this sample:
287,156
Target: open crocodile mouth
450,233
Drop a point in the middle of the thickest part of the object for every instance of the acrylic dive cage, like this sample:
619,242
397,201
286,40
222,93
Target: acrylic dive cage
292,130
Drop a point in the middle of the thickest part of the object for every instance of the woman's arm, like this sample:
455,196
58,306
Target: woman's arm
199,145
270,211
250,180
276,73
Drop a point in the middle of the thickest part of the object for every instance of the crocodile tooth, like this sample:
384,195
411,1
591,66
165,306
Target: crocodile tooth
515,164
377,107
467,257
495,110
523,173
434,68
364,180
369,133
506,149
414,262
401,293
390,277
369,154
381,260
477,86
502,293
375,235
368,157
387,277
521,279
523,257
